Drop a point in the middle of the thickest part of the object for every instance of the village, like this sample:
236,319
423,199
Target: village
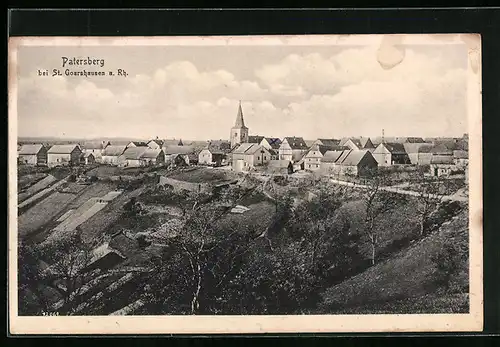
138,212
345,157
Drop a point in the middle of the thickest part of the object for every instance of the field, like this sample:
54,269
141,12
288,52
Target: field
36,187
28,180
107,220
40,214
56,204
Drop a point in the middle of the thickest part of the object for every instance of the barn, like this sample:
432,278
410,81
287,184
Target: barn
35,154
64,155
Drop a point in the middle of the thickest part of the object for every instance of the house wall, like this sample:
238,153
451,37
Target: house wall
97,153
89,160
28,159
110,159
285,151
312,161
59,159
424,159
205,157
382,156
366,166
153,145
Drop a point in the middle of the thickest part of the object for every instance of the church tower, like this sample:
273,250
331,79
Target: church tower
239,133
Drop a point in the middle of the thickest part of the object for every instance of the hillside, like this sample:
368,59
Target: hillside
410,281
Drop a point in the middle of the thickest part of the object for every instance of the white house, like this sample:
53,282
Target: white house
210,156
141,156
35,154
292,149
111,154
95,147
388,154
349,163
64,155
249,155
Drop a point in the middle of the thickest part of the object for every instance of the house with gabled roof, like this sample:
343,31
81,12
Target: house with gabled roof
391,153
418,152
155,144
32,154
255,138
95,147
247,156
312,159
327,142
348,163
273,145
357,143
141,156
64,155
137,144
292,148
188,153
211,156
111,154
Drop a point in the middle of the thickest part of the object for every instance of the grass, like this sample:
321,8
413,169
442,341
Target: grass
391,284
200,175
257,219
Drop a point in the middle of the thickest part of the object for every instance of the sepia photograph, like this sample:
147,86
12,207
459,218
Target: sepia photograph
245,184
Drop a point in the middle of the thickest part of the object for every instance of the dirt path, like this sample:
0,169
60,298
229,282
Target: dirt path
400,191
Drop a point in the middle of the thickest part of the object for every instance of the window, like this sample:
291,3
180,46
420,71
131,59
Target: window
235,135
317,165
265,157
258,158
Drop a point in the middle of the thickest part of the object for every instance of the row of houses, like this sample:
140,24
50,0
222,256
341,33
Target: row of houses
350,155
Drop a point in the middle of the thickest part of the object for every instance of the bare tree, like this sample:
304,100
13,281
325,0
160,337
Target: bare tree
429,195
69,273
376,203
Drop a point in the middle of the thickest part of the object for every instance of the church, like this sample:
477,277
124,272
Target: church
239,133
245,155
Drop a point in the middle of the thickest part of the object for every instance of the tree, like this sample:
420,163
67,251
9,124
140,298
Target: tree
31,280
428,197
70,258
376,203
201,258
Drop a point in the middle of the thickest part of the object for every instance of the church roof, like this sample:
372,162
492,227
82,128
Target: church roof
240,123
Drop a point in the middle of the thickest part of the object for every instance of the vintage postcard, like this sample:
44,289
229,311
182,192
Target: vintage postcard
252,184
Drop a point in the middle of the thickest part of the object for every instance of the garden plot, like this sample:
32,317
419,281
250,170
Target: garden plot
40,214
83,213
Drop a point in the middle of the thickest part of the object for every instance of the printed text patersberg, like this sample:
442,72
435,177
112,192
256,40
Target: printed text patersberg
82,61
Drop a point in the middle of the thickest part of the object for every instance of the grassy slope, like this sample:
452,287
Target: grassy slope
404,282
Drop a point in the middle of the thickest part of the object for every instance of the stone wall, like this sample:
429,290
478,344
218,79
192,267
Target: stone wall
183,185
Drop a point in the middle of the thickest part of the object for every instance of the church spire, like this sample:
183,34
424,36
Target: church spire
240,123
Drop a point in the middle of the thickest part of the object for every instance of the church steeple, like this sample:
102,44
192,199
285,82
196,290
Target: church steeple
239,133
240,122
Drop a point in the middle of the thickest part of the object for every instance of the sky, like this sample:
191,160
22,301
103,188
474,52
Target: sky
192,92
